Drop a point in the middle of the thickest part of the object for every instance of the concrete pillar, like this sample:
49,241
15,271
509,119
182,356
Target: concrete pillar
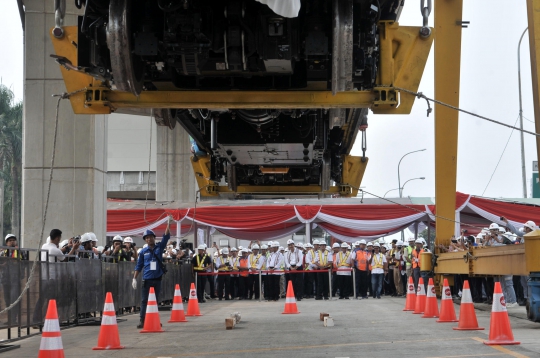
175,180
78,194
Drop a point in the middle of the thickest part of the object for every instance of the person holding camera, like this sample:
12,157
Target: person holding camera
130,249
85,250
149,262
116,252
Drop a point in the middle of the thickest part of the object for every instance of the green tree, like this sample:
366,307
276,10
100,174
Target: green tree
424,234
10,159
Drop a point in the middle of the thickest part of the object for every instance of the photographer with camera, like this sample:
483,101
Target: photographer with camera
85,250
116,252
130,249
149,262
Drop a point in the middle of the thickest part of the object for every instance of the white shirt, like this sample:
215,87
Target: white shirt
258,262
378,258
276,260
295,257
54,252
325,253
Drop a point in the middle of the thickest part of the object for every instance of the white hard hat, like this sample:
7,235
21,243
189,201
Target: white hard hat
93,236
423,240
315,242
502,230
400,243
234,249
290,241
264,247
201,247
116,238
530,224
255,247
494,226
419,241
86,238
128,239
225,251
376,244
322,242
244,250
335,245
281,248
300,245
275,244
344,244
216,253
248,249
362,242
411,239
370,244
174,251
63,243
9,236
240,248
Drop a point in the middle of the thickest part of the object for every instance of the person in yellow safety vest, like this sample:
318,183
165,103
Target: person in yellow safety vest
235,280
131,250
399,269
343,260
323,261
336,248
223,265
361,264
416,261
309,277
200,264
256,262
293,263
11,242
379,268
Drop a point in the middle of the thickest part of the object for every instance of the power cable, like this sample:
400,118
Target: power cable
500,158
53,156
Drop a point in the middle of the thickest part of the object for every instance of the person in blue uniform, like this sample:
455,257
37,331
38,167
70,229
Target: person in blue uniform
151,264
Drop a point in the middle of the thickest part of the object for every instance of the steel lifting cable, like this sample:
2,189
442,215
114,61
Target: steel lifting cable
53,156
149,162
421,95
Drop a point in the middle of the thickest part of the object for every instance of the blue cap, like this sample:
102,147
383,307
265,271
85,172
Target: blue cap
147,233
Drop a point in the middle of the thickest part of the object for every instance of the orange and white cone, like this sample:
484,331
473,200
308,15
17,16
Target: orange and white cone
500,332
108,338
467,316
448,314
51,340
152,323
420,303
411,296
177,313
193,303
290,301
432,309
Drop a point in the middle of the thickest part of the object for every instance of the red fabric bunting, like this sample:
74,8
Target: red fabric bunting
371,212
243,217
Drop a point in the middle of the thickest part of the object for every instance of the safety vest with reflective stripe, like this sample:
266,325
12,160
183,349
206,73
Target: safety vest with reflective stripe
342,258
244,264
223,264
253,261
416,254
377,261
362,260
200,263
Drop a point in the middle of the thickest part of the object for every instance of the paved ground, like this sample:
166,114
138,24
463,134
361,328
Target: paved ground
367,328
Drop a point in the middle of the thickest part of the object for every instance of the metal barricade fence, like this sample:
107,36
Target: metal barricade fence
78,285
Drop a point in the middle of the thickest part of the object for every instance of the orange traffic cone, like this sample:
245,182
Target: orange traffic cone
109,337
177,313
500,332
420,302
51,340
290,301
411,296
448,314
193,303
467,316
432,309
151,320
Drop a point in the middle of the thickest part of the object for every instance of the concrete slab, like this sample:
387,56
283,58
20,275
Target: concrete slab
367,328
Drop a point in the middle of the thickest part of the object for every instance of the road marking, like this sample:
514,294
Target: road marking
311,347
502,349
472,355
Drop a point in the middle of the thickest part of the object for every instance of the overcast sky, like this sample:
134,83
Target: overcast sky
488,87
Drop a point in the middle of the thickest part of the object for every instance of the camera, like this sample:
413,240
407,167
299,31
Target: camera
465,231
501,218
76,239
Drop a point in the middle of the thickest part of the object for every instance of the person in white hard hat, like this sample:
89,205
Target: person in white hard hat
323,261
416,261
243,267
256,263
235,280
401,269
274,264
309,277
131,249
361,266
293,263
223,266
85,250
343,261
336,248
408,257
393,268
379,268
200,263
